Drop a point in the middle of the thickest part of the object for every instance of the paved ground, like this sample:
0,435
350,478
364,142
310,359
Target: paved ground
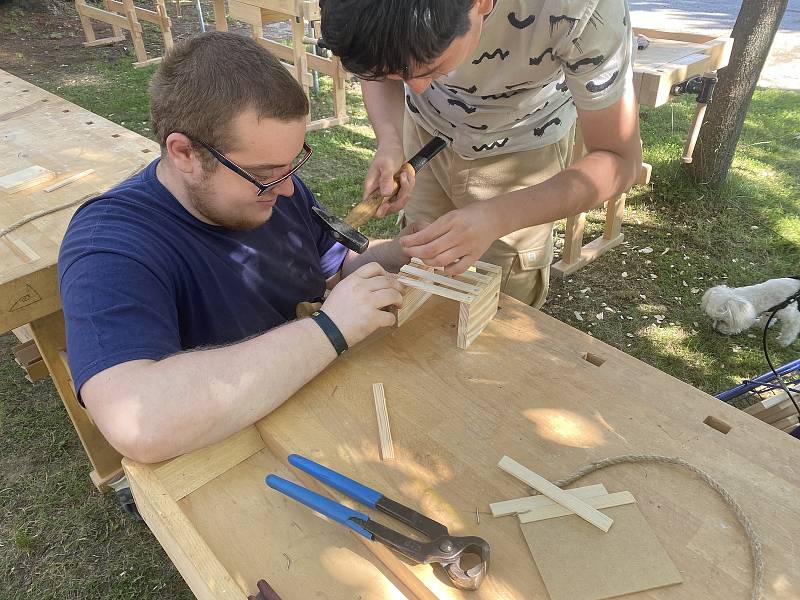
717,17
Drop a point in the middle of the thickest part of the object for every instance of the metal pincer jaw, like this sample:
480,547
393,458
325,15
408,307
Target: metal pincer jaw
467,562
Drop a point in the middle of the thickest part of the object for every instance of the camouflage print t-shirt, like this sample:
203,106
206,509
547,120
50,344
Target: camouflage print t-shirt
535,62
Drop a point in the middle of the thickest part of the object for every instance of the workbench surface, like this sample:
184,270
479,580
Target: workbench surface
39,128
525,389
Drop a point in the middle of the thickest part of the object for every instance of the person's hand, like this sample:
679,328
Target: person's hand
387,161
355,304
457,239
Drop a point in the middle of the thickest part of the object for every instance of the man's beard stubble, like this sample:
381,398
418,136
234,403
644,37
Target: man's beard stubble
201,200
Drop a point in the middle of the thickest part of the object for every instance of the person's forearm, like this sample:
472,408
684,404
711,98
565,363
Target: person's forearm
384,101
193,399
387,253
595,178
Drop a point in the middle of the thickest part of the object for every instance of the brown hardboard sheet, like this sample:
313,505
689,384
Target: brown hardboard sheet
577,561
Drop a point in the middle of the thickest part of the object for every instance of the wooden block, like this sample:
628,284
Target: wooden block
787,409
387,447
577,562
512,507
543,486
787,423
554,511
753,409
25,178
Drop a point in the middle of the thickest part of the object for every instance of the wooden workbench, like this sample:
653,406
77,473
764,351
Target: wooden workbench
39,128
530,387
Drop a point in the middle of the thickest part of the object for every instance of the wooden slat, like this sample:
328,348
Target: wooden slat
424,275
384,432
551,512
436,289
519,505
542,485
107,17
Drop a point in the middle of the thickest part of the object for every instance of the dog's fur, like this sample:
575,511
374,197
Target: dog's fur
733,310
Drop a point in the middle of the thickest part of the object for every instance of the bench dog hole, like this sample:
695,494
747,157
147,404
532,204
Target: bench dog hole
593,358
717,424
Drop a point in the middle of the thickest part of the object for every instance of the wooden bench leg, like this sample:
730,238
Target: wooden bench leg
50,339
220,20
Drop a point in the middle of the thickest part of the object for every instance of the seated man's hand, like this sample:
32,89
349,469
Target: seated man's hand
355,303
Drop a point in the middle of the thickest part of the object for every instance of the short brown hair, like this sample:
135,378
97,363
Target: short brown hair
208,80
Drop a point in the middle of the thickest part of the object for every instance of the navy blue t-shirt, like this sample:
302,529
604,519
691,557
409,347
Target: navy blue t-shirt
141,278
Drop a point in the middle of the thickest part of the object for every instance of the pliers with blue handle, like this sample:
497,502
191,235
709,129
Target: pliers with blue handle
453,553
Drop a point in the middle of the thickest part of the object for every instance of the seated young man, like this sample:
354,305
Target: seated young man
179,286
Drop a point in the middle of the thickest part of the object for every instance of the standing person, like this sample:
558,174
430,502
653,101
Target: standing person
504,81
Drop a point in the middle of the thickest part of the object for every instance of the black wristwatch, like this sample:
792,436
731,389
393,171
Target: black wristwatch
330,329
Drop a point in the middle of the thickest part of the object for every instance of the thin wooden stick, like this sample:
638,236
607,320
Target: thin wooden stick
387,448
521,505
543,486
424,275
436,289
553,511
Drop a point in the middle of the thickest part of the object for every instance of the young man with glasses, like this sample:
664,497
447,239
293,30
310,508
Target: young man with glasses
179,286
504,80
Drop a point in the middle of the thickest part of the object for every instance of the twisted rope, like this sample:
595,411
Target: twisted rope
755,544
49,211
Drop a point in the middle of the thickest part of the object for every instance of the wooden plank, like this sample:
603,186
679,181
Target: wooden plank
49,335
187,550
384,432
519,505
552,512
184,474
577,562
108,17
24,179
141,13
429,276
543,486
658,34
436,290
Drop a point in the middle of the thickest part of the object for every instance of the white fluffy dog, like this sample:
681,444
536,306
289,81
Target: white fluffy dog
735,309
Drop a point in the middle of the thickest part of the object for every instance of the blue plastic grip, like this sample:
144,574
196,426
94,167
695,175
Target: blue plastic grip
353,489
321,504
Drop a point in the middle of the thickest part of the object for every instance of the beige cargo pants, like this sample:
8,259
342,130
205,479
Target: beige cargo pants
450,182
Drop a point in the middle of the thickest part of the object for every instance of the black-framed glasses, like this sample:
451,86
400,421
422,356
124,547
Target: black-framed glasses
298,162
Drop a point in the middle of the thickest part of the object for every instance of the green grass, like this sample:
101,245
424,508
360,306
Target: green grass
59,538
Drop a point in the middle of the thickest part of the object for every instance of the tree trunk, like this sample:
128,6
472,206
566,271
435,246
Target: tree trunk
753,33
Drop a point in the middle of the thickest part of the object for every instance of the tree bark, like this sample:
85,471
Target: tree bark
753,33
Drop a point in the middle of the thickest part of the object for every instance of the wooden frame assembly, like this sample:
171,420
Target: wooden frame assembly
296,58
125,16
477,291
